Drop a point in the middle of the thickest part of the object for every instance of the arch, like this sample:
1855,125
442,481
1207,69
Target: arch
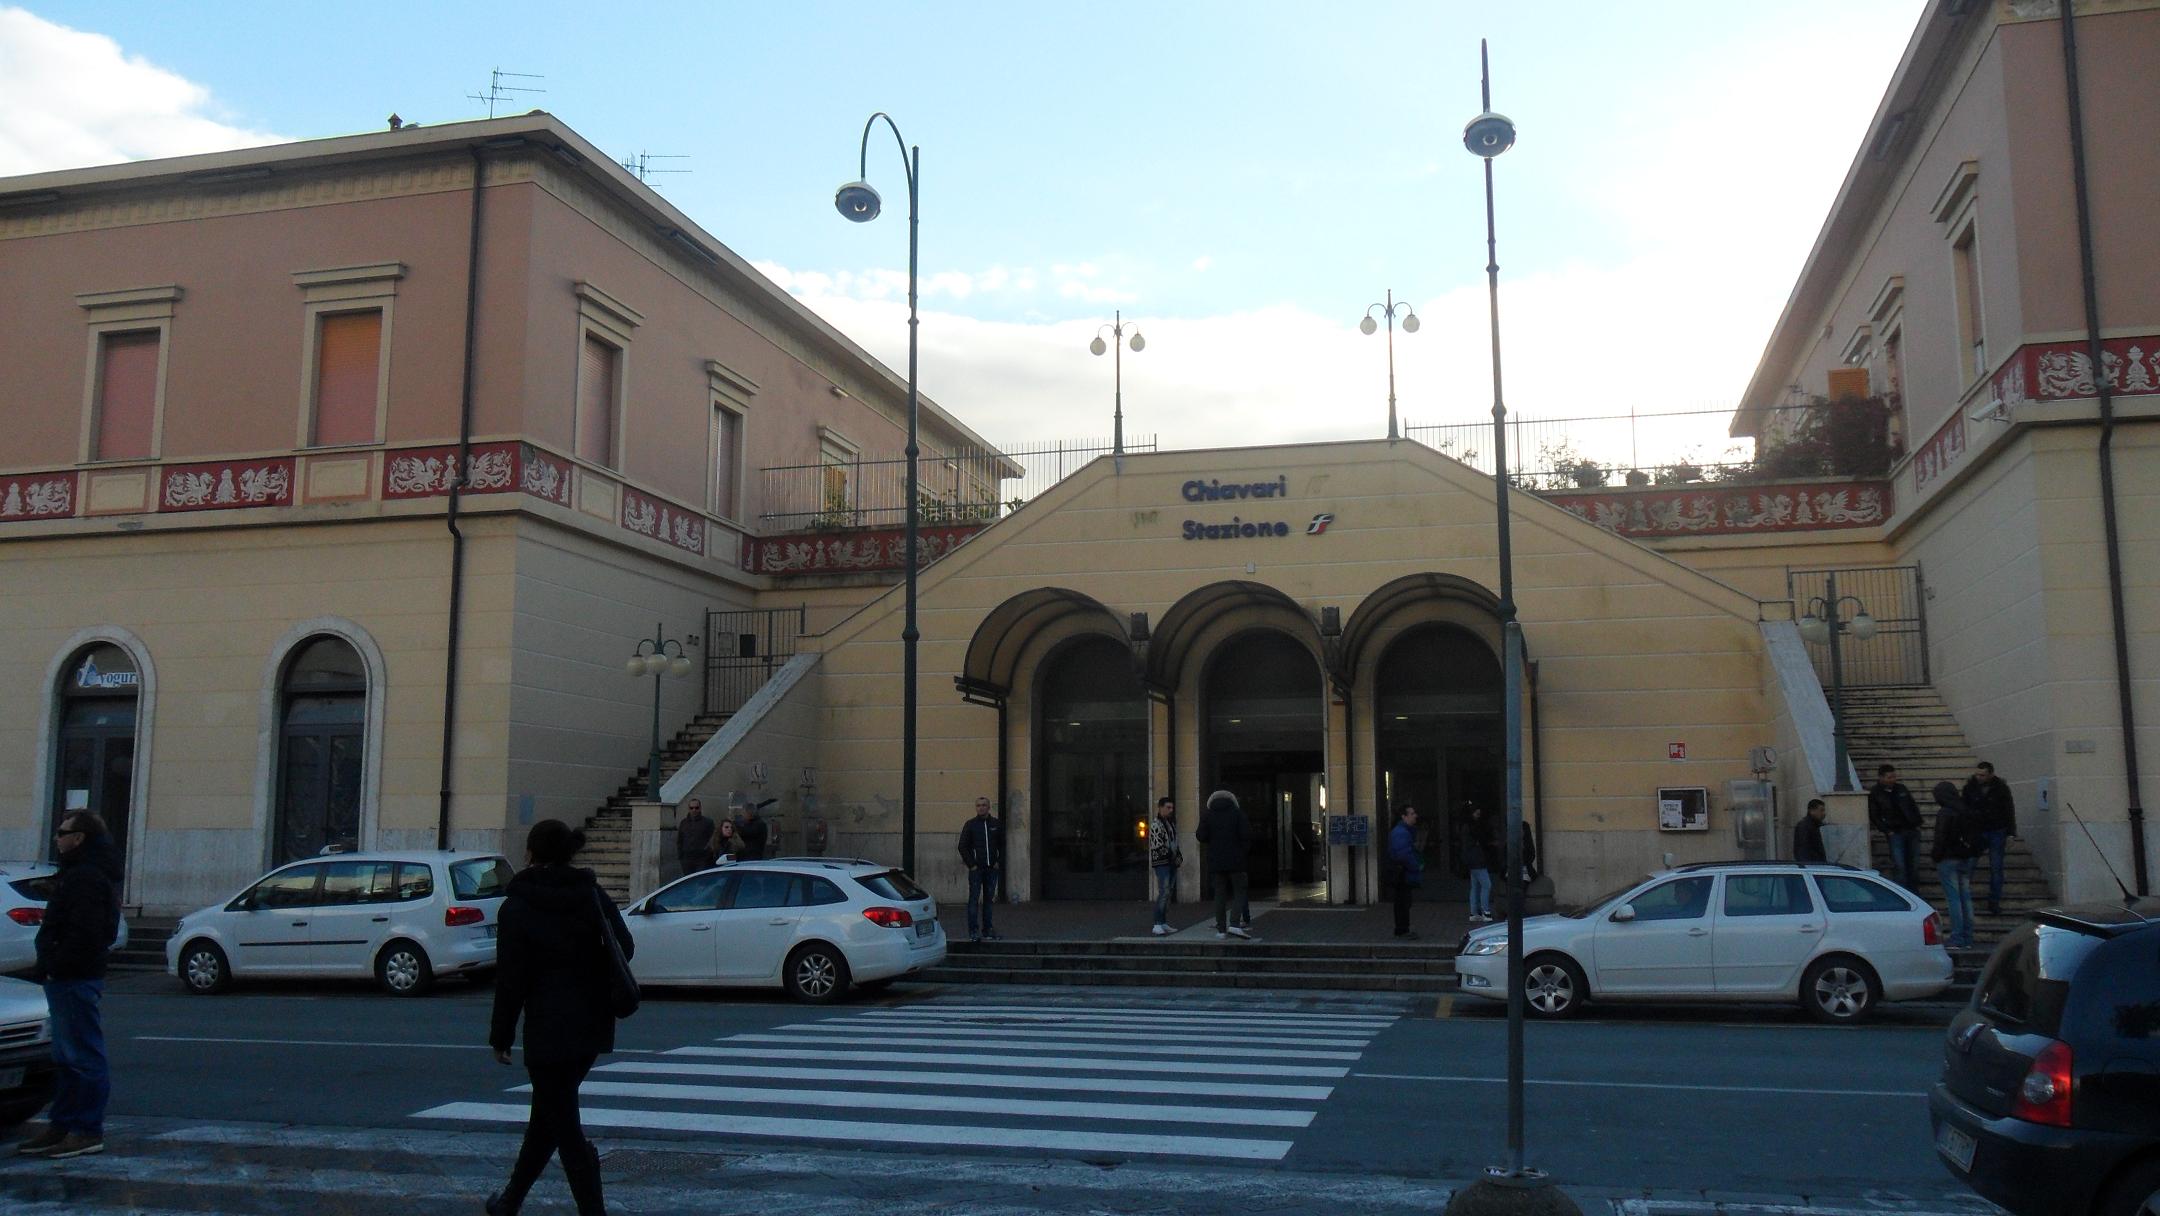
271,717
1438,700
1264,727
1091,771
1176,635
1002,639
1405,594
48,740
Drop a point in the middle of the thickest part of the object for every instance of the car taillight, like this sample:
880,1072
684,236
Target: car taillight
1930,933
890,918
27,916
2044,1095
456,915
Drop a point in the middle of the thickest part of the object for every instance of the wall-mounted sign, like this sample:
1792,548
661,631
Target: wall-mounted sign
89,676
1676,751
1215,491
1685,809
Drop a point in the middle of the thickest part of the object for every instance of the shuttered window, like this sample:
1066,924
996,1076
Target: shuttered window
127,395
596,403
727,450
348,371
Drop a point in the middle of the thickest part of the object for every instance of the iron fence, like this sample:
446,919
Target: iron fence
1672,448
743,648
1897,654
965,485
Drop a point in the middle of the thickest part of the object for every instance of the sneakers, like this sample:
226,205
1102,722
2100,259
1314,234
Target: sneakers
1160,930
1221,936
988,936
74,1144
1241,933
41,1143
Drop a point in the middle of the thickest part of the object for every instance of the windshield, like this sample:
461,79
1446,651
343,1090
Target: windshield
1578,911
480,878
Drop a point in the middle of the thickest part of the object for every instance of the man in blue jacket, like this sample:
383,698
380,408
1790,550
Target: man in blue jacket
1405,867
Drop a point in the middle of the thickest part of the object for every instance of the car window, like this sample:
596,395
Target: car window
2027,979
762,889
698,893
39,888
415,880
1842,894
892,884
479,878
1680,899
1767,895
357,882
814,892
293,888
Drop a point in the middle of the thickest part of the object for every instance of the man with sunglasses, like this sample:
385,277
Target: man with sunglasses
81,919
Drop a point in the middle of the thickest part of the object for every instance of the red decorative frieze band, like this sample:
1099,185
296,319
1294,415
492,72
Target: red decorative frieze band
1722,511
2062,371
37,496
543,476
853,552
662,521
1940,453
490,468
222,485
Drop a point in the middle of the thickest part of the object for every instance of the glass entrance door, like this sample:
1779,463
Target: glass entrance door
1091,770
94,767
1437,746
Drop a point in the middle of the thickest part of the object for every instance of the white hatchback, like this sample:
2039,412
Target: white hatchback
403,918
814,926
1837,939
24,888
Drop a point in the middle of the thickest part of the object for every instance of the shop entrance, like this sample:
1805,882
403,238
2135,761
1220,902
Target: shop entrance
1438,745
1265,731
96,762
1091,794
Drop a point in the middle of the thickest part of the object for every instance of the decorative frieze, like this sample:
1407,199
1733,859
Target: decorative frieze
1731,511
37,496
853,552
1943,450
490,468
663,521
2063,371
224,485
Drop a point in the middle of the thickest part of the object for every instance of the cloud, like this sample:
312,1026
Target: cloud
76,99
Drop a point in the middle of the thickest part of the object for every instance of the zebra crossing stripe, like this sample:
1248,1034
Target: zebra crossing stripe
1144,1011
965,1104
1049,1063
1066,1045
978,1080
1076,1032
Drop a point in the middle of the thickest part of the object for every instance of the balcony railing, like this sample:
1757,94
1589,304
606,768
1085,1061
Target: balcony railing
968,485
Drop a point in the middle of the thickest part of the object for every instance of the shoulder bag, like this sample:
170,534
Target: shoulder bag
622,985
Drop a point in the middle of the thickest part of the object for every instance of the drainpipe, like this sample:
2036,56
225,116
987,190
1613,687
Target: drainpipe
457,493
2106,393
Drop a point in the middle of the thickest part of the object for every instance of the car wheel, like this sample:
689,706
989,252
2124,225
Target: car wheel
402,969
816,974
2136,1193
203,969
1553,987
1839,990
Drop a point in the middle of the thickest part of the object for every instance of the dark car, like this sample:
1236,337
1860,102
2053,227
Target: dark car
2049,1102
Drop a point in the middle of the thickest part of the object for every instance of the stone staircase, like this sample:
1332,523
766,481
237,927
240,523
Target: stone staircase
607,831
1912,729
1356,967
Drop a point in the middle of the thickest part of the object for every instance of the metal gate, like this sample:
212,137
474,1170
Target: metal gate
1897,655
743,648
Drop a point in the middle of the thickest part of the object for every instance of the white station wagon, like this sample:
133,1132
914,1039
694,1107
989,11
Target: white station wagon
1837,939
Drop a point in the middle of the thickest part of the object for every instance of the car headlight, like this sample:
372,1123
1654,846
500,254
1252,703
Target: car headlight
1486,945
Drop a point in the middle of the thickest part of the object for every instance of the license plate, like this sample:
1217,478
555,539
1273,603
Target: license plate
924,928
1955,1145
11,1078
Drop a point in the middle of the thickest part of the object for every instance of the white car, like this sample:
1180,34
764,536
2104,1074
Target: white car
1837,939
812,925
24,886
403,918
26,1068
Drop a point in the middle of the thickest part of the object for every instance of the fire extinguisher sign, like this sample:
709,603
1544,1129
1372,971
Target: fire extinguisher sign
1676,751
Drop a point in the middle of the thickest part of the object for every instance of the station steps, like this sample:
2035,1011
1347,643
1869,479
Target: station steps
607,830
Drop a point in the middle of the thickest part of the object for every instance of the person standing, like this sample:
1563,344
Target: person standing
1477,853
982,851
1164,857
1957,842
1807,845
1989,797
73,941
1222,831
1892,811
1529,854
1406,870
694,838
754,833
725,842
552,968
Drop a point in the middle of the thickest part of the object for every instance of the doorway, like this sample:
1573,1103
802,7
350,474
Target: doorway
1265,731
95,765
1091,800
1438,744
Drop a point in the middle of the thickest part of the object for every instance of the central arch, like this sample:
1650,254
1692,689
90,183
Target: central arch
1091,771
1438,701
1265,740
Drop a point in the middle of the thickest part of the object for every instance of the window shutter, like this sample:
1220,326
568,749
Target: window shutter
127,395
596,403
348,368
726,449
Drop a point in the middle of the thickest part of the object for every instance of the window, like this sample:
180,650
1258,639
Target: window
127,384
1972,335
762,889
416,880
892,884
596,401
1680,899
816,892
358,882
1841,894
699,893
348,377
727,462
1767,895
479,878
293,888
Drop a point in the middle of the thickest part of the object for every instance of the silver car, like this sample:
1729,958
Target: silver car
24,888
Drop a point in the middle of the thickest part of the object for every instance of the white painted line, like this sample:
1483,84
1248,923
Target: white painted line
1695,1207
1059,1063
980,1080
1148,1014
914,1135
1663,1085
1070,1032
968,1104
1215,1025
1007,1045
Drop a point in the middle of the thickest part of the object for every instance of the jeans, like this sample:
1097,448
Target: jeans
1480,892
1165,882
82,1083
982,890
553,1129
1905,857
1229,893
1956,876
1404,893
1996,843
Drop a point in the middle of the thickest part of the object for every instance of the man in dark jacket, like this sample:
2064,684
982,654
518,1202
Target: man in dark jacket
982,851
1807,842
1957,842
1892,811
754,833
694,838
81,920
1989,797
1406,870
1222,830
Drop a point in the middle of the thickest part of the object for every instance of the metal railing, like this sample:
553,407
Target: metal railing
966,485
1897,656
1674,448
743,648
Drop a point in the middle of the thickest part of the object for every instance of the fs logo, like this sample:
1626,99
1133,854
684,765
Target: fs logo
1319,524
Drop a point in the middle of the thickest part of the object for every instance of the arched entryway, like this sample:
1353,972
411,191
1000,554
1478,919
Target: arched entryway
1091,766
1438,700
322,749
1265,741
94,767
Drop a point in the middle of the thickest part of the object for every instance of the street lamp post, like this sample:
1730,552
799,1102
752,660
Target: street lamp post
1819,624
860,203
1409,326
1138,343
657,656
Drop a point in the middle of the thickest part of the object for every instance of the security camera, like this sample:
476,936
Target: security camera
1489,134
1996,410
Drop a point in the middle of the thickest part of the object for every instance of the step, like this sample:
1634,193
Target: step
1317,981
1194,965
1384,951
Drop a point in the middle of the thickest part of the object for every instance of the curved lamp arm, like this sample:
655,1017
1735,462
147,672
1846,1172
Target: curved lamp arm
862,167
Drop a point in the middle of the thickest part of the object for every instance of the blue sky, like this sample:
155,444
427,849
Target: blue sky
1243,178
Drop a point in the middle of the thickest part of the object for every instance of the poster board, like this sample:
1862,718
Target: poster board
1683,809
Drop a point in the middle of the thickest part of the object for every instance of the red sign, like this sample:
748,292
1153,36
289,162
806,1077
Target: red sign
1676,751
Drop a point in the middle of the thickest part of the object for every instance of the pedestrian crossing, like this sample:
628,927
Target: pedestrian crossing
1143,1080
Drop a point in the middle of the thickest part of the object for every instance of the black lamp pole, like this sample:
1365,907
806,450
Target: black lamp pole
1824,610
1410,326
858,202
653,657
1117,348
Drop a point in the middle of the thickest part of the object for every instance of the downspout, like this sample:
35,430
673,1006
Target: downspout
450,517
2106,394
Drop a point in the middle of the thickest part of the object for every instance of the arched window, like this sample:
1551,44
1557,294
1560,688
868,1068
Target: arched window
95,769
1092,768
1437,740
322,725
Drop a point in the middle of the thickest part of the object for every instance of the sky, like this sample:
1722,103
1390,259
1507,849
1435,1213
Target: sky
1240,180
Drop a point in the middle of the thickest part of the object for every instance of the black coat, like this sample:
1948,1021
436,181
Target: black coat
83,916
755,835
1993,804
1957,829
1480,845
551,966
1892,809
1807,842
1222,830
982,843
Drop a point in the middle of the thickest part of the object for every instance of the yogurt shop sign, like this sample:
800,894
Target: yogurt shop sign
1237,527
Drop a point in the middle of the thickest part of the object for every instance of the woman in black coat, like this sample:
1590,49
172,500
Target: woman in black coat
551,965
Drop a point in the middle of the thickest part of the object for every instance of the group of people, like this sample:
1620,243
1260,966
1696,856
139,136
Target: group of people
1480,851
1972,823
700,842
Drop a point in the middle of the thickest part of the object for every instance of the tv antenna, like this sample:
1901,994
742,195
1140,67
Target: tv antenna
499,92
642,164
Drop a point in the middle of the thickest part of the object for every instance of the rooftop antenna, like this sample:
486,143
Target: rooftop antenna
642,164
2128,898
499,92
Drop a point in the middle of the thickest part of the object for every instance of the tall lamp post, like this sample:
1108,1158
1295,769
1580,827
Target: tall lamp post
860,203
657,656
1409,326
1138,343
1820,624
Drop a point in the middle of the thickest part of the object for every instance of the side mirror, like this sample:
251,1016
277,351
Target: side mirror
1624,913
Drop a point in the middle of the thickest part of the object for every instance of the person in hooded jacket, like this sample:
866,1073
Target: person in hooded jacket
73,941
1222,830
1957,842
552,968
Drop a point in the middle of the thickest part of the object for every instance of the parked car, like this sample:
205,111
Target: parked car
813,926
26,1067
24,888
2049,1103
404,918
1840,940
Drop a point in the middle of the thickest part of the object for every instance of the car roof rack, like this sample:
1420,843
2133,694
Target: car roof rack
1771,861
